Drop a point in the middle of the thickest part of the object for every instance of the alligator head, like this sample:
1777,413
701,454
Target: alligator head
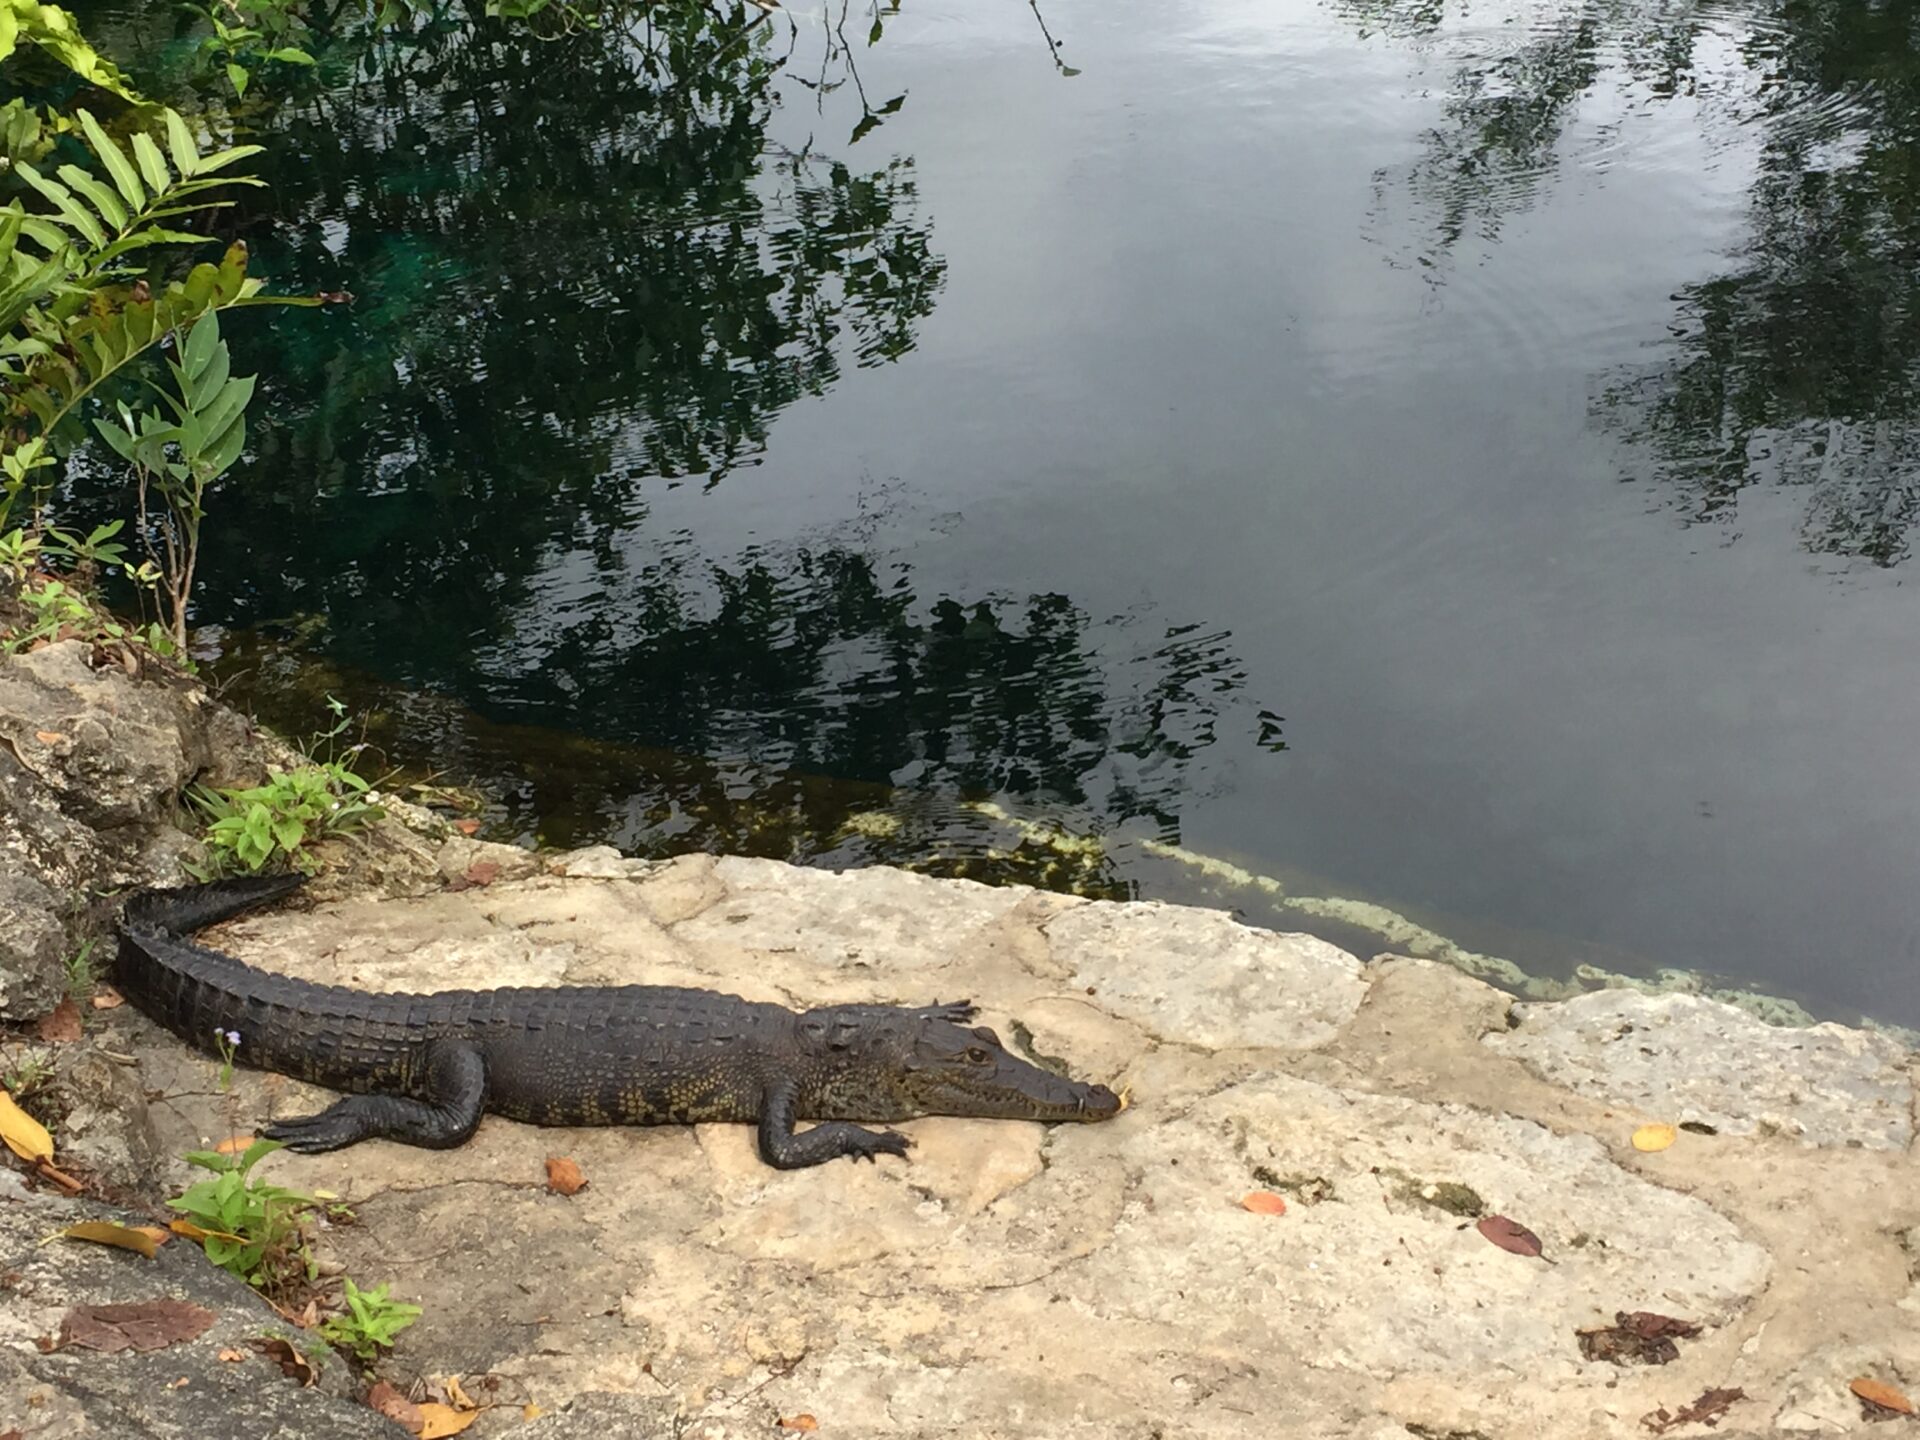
930,1062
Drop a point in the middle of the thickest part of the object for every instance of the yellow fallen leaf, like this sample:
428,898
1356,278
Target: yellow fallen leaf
1126,1098
1654,1137
437,1421
144,1239
799,1422
531,1412
105,997
457,1397
24,1135
234,1145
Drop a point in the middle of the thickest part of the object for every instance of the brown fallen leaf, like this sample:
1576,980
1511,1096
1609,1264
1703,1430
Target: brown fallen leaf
396,1407
563,1176
23,1134
456,1396
1707,1411
105,997
144,1325
438,1421
234,1145
48,737
292,1363
467,827
44,1169
1263,1202
1510,1235
143,1239
528,1411
1882,1395
482,872
799,1422
60,1025
1639,1338
230,1355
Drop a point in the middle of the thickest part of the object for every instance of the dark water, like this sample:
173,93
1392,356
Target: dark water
1461,458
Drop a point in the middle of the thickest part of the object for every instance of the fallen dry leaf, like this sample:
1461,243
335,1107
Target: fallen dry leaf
457,1397
234,1145
23,1134
1263,1202
1881,1394
105,997
437,1421
48,737
230,1355
194,1232
1651,1138
145,1325
292,1363
467,827
1707,1411
1639,1338
483,872
44,1169
144,1239
1510,1235
396,1407
563,1176
799,1422
60,1025
527,1412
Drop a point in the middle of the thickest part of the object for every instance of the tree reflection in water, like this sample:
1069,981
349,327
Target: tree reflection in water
1800,365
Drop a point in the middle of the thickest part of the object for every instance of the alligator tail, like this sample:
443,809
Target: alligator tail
192,907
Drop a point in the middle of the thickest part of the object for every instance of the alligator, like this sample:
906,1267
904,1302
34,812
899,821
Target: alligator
422,1069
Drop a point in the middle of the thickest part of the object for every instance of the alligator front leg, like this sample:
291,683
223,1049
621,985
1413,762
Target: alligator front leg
455,1096
786,1149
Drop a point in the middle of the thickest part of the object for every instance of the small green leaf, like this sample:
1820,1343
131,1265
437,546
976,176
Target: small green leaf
291,55
203,340
115,159
237,74
153,165
180,141
104,200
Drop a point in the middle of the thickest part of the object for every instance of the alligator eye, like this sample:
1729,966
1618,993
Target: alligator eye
977,1055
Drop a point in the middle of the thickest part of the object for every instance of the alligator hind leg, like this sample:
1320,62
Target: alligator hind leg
455,1095
785,1149
957,1012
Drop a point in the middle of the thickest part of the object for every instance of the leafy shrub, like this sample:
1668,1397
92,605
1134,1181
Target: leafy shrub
283,818
371,1322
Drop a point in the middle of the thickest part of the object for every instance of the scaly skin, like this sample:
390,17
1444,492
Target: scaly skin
422,1069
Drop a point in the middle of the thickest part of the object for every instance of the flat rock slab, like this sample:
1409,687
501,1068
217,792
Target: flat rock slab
1011,1279
1684,1058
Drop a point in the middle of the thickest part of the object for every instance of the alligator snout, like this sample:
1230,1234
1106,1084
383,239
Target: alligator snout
1100,1103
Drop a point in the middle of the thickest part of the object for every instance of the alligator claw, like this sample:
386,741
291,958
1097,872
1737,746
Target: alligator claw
875,1143
312,1135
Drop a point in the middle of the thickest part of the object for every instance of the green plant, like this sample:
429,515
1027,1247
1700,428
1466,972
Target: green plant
371,1322
97,548
249,1227
26,1071
179,458
19,554
80,974
249,33
54,31
285,817
56,611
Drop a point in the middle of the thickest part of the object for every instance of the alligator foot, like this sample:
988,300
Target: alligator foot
785,1148
957,1012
